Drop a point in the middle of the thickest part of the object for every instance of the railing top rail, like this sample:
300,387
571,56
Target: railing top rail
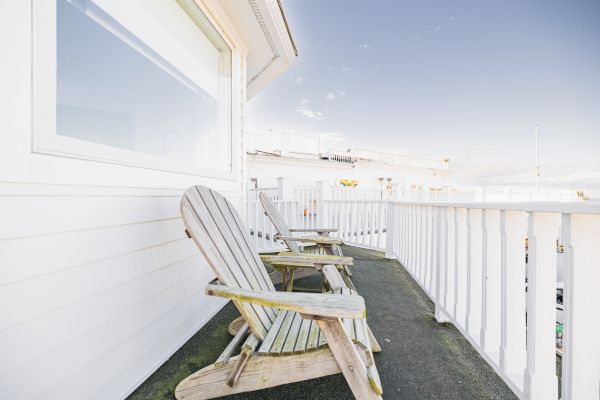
264,188
274,201
361,201
581,207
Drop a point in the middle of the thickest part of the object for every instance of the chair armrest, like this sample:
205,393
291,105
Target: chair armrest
316,230
319,304
316,259
310,239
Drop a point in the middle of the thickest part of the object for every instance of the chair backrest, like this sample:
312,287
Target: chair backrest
278,222
222,237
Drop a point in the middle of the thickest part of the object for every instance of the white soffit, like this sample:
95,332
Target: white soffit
271,49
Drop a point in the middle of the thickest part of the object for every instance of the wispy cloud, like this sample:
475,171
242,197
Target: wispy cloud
303,109
299,79
335,94
310,113
345,69
364,46
450,22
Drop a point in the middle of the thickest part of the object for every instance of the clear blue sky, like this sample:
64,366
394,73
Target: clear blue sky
463,79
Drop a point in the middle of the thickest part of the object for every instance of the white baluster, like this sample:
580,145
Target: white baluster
441,275
418,242
363,222
581,345
540,374
474,271
406,234
391,231
450,259
381,222
513,225
423,250
371,224
433,244
256,212
416,220
460,265
491,284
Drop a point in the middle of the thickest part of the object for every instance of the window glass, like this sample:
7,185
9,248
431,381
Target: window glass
150,77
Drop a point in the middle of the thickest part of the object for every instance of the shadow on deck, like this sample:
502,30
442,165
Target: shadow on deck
421,359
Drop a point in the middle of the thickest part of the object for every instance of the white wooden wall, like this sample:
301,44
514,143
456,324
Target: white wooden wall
98,283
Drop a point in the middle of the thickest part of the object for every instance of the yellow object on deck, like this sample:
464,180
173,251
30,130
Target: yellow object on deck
350,183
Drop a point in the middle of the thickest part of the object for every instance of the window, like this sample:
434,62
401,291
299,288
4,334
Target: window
146,82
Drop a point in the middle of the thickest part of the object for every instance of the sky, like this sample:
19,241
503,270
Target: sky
467,80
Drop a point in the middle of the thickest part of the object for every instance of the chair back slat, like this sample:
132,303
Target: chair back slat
242,239
211,221
278,222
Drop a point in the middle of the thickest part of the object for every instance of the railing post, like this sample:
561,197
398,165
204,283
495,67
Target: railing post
540,375
581,348
390,234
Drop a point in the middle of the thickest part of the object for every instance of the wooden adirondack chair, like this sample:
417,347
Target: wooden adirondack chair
329,245
287,336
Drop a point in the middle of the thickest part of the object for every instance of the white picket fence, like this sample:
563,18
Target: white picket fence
274,193
358,222
360,193
262,231
471,260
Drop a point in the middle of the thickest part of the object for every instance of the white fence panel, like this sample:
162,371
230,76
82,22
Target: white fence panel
358,222
262,231
491,270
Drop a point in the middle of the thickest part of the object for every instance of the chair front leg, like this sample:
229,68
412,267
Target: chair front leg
357,374
290,284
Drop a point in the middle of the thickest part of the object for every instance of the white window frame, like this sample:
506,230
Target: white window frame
45,139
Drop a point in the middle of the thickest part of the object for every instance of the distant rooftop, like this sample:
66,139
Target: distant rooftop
285,144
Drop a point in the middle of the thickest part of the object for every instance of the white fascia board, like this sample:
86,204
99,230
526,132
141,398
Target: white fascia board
263,28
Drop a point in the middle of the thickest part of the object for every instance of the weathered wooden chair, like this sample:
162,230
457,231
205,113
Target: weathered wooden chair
287,336
328,245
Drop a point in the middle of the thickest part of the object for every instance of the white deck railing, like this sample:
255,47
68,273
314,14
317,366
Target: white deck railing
358,222
472,261
274,193
262,231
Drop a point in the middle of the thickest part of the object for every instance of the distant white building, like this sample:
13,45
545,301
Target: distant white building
109,111
301,160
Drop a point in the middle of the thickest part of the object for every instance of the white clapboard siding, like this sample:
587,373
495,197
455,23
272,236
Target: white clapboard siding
97,290
25,216
151,359
54,252
85,359
61,324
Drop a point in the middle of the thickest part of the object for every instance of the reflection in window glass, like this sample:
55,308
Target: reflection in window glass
114,89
